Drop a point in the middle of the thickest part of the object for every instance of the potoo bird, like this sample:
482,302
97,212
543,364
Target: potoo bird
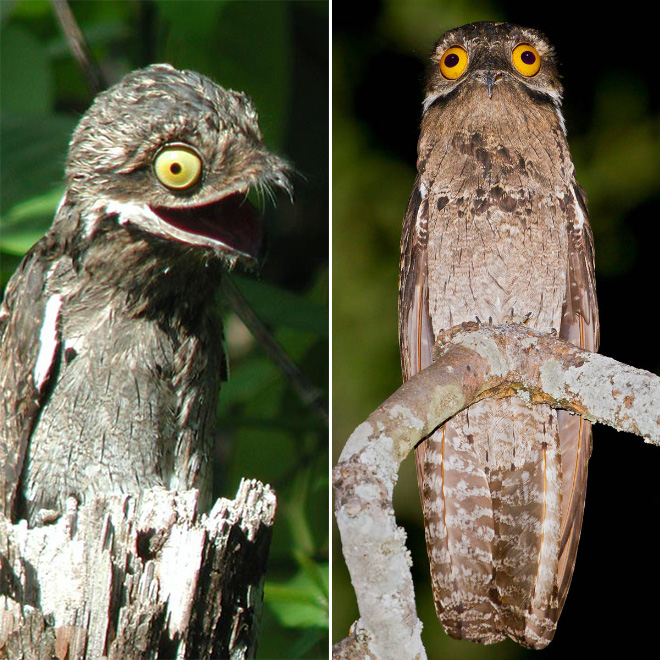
497,229
111,350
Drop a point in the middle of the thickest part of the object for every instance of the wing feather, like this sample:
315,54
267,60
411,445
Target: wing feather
416,337
30,346
580,326
415,331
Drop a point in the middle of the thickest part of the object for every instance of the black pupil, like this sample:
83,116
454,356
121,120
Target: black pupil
451,60
528,57
175,168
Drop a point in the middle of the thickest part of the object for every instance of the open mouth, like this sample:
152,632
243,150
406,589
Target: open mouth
231,221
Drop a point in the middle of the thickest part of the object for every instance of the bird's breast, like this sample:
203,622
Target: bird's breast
115,411
498,242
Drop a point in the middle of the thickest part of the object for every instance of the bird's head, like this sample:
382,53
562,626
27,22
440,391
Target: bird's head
174,155
484,61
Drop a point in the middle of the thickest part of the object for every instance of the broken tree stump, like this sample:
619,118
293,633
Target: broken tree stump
138,577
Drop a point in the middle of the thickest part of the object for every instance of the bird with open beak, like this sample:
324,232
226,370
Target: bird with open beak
111,351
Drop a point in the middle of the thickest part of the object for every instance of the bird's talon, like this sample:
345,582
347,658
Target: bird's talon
519,318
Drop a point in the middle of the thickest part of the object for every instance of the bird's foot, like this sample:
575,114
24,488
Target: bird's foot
522,319
444,337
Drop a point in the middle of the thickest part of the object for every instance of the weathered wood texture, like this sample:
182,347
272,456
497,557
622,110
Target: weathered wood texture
472,362
138,577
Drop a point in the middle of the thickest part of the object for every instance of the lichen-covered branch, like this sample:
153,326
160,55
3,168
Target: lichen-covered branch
137,578
472,362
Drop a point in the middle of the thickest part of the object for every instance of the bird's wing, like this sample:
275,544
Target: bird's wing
416,336
464,606
29,353
580,326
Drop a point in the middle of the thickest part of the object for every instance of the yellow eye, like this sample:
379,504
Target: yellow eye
526,59
177,166
453,62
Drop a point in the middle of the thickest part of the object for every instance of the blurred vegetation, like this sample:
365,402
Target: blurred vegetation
608,64
277,52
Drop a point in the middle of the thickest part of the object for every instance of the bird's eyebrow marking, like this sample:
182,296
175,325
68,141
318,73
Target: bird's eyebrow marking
48,341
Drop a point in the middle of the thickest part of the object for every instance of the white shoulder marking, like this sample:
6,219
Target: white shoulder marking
422,218
579,215
48,340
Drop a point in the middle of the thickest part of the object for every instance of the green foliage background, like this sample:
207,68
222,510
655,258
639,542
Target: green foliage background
608,60
277,52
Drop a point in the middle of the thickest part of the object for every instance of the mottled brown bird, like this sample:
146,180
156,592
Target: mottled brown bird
497,228
111,349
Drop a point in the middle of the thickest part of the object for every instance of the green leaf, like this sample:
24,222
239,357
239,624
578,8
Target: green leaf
29,64
26,222
29,9
6,8
278,307
8,264
33,155
306,641
198,22
303,542
300,602
255,378
225,38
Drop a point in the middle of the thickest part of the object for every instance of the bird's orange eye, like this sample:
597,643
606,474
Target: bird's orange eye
453,62
177,166
526,59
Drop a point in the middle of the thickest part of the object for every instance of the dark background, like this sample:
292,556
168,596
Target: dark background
276,52
608,60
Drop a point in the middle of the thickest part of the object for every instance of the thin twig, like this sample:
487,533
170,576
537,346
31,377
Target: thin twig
307,392
79,48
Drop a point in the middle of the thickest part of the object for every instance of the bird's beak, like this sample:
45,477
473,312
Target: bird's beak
231,224
490,78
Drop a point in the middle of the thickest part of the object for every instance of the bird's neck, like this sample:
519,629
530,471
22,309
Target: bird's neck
126,268
509,119
155,275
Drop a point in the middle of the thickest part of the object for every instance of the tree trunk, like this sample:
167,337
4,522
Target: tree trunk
138,577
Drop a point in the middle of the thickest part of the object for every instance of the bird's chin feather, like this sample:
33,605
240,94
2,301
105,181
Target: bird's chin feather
230,225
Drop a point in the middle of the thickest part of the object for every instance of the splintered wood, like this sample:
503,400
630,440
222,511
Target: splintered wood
130,577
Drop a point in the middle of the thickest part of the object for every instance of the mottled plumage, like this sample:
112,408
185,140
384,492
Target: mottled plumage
111,352
497,228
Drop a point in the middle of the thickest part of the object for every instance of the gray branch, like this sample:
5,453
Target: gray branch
137,578
472,362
